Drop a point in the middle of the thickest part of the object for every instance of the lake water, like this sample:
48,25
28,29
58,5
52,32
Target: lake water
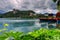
23,25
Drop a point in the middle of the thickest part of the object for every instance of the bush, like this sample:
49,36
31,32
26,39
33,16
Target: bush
41,34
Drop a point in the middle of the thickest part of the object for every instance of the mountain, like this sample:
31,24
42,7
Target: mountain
23,14
17,13
1,11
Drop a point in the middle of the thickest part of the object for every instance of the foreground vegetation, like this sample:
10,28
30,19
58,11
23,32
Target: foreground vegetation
41,34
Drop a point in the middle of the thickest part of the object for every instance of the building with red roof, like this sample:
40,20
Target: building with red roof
58,14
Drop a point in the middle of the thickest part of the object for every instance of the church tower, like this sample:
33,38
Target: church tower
14,11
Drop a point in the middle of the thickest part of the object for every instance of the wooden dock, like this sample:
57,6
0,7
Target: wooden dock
49,18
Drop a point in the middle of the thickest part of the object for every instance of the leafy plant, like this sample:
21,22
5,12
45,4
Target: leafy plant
41,34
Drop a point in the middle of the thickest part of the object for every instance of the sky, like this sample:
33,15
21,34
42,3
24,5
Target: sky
35,5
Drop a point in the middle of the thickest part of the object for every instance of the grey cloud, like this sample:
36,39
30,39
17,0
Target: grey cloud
7,5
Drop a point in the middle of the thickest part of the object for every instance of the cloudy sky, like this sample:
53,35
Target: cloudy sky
39,5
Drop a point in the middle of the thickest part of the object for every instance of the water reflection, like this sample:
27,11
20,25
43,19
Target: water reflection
27,25
21,25
52,23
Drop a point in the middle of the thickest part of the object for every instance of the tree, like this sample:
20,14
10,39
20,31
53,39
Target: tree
54,0
58,4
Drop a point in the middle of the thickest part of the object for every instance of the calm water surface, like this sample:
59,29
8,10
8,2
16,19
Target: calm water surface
23,25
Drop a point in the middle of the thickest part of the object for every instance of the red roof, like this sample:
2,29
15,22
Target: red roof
58,14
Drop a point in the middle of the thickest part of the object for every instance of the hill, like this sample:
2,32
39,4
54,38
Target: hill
18,13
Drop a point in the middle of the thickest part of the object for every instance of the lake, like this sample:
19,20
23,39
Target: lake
24,25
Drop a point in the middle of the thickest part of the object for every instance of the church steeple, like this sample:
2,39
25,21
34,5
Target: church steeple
14,11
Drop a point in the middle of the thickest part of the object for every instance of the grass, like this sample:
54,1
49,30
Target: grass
41,34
